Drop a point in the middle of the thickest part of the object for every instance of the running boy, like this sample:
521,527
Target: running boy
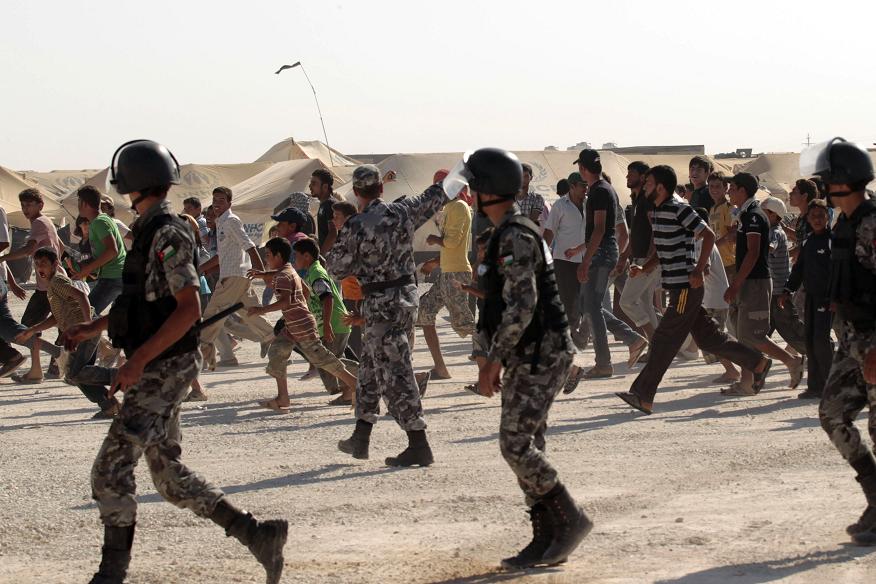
68,302
299,329
812,270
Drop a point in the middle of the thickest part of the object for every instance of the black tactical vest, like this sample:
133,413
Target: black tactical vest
550,315
852,286
133,319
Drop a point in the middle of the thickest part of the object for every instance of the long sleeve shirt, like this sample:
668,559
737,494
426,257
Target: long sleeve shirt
812,269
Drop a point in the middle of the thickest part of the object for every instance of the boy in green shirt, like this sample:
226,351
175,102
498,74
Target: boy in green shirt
324,299
107,251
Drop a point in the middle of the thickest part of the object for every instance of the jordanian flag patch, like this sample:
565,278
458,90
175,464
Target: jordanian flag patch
166,253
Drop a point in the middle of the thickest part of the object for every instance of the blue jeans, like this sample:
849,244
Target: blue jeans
593,294
91,380
104,293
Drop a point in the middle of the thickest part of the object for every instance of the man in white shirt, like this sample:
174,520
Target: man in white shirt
564,229
237,254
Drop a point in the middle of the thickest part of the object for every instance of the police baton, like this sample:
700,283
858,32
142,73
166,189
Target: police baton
198,327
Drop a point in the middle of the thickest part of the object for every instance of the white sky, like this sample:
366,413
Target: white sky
80,78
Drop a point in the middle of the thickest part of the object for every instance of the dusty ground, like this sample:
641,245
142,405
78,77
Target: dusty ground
708,489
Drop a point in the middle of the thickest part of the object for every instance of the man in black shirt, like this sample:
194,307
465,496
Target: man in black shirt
321,183
637,298
700,168
750,293
599,260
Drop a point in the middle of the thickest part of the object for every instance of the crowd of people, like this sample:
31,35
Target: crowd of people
710,266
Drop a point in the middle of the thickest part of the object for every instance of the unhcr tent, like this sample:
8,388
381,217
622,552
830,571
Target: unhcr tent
12,183
290,149
59,182
197,180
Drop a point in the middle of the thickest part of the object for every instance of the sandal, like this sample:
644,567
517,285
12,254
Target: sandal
272,405
635,354
739,390
25,380
422,380
573,380
760,378
473,388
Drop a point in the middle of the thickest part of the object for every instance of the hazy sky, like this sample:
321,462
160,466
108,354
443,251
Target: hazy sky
79,78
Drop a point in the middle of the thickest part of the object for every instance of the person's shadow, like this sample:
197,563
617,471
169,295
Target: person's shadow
770,570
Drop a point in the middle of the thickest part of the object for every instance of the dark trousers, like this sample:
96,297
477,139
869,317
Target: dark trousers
92,381
355,341
819,346
787,321
569,287
684,316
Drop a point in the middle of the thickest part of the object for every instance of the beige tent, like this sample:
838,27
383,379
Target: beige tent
291,149
261,195
197,180
776,172
60,183
12,183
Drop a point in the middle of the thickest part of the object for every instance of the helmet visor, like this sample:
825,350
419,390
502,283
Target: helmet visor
457,180
815,160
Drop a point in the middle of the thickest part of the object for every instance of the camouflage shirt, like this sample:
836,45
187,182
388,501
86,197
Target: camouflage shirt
170,266
519,262
377,246
865,245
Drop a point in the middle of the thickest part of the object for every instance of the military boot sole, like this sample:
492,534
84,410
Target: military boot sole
559,552
355,449
409,457
516,563
268,548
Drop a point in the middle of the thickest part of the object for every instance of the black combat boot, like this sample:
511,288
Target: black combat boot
116,555
265,539
570,525
417,453
542,536
867,522
357,444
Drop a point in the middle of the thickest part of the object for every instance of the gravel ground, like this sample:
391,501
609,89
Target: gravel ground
708,489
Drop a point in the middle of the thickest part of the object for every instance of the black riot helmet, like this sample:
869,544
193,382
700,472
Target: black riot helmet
494,172
142,164
838,162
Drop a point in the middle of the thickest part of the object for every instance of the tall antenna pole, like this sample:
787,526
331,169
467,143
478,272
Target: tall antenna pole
318,109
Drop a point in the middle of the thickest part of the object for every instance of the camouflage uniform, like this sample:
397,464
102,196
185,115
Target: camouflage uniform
527,390
149,419
846,393
377,246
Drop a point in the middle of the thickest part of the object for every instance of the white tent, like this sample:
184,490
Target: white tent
12,183
60,183
197,180
291,149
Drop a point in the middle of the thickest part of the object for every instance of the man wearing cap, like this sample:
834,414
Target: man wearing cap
455,272
237,255
376,246
564,229
600,258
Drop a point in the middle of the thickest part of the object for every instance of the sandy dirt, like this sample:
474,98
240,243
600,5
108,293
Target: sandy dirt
708,489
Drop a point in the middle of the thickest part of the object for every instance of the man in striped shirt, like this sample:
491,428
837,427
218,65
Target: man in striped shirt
675,226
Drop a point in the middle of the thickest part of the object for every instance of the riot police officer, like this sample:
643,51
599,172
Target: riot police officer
524,328
154,321
851,385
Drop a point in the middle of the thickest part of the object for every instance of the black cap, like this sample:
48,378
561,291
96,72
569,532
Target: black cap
291,215
587,156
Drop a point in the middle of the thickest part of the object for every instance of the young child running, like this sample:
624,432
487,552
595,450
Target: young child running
812,271
69,306
326,305
299,330
478,353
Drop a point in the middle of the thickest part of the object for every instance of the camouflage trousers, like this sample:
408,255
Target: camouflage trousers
443,294
526,399
386,370
149,425
846,394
